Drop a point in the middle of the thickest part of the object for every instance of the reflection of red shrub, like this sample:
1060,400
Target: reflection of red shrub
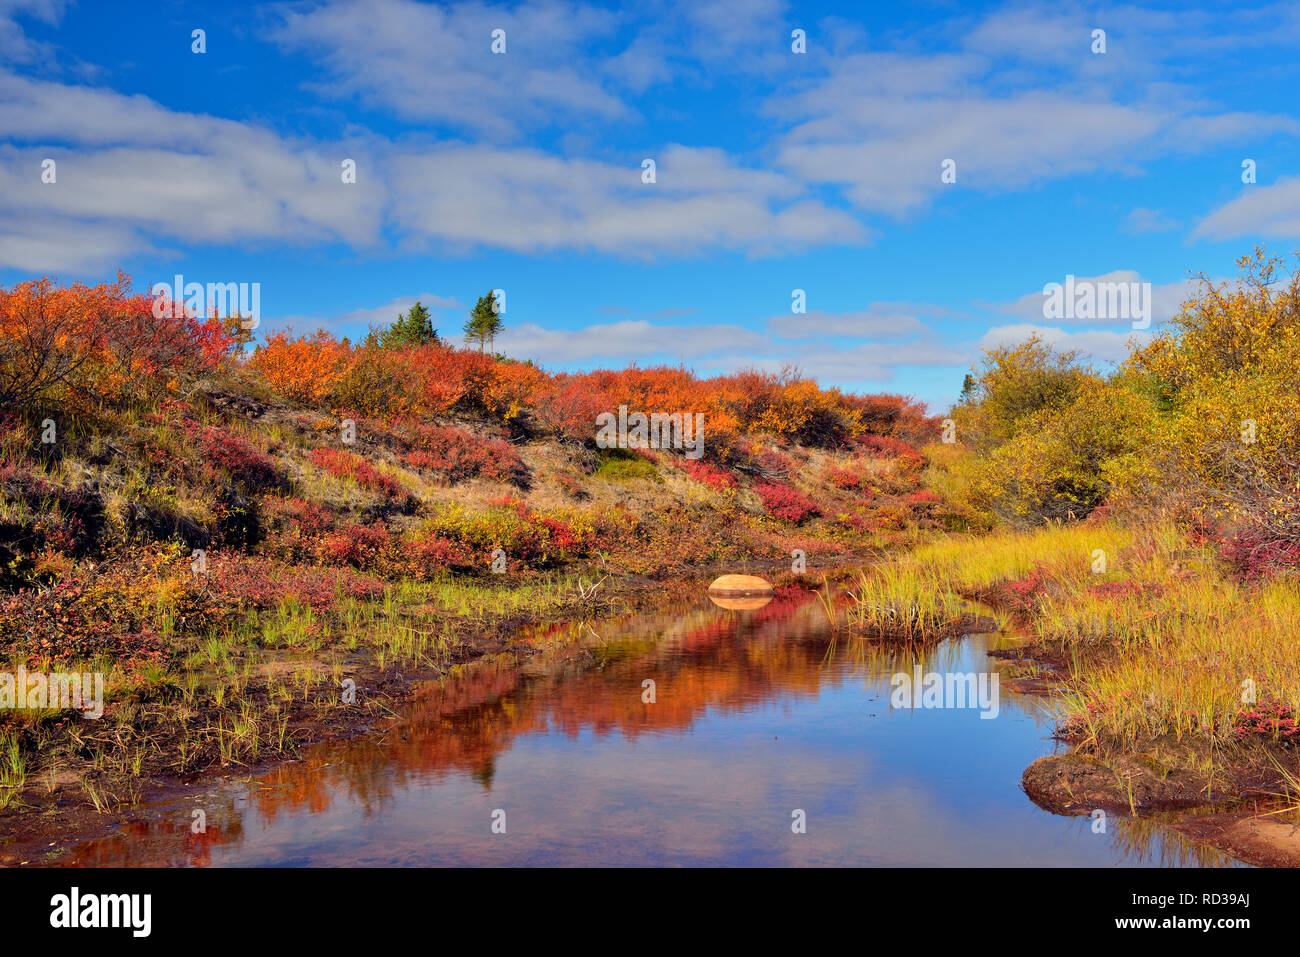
347,465
786,502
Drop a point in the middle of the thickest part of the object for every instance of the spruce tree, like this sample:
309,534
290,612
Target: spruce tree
484,322
413,328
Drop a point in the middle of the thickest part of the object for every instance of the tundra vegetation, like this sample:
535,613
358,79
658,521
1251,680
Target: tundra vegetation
1144,527
258,547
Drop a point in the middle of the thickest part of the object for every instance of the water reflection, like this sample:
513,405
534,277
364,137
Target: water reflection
686,737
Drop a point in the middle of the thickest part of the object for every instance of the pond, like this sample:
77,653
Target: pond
766,743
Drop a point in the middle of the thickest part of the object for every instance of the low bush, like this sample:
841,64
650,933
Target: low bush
786,502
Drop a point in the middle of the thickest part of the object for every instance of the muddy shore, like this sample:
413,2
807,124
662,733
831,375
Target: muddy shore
1231,814
1235,811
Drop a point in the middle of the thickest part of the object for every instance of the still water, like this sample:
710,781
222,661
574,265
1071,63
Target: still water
756,715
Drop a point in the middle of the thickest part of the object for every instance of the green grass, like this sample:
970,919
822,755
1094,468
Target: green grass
904,601
621,465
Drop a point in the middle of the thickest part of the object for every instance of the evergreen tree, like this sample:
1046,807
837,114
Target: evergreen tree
967,387
413,328
484,321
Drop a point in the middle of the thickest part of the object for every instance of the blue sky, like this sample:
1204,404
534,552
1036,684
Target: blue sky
775,171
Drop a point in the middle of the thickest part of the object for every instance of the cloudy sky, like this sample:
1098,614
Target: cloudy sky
774,171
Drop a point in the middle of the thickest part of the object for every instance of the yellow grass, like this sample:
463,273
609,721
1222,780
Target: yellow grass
1176,660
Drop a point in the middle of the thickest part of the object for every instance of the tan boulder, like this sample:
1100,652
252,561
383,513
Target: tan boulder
740,586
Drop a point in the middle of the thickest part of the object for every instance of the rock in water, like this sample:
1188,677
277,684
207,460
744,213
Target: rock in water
740,586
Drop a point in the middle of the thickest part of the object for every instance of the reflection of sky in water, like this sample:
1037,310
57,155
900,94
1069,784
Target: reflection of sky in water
922,787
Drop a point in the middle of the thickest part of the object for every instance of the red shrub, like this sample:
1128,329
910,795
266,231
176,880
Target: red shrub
1024,590
570,485
715,478
257,583
921,498
1127,589
296,514
567,406
1268,719
1251,556
98,341
458,455
844,478
854,522
770,463
422,556
888,447
234,456
786,502
359,545
346,465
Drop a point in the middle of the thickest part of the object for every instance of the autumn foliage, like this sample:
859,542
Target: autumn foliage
430,380
1199,424
93,343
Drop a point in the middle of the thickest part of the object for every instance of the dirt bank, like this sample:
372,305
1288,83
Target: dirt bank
1234,811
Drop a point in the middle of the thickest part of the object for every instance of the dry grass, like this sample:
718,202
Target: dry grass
1169,647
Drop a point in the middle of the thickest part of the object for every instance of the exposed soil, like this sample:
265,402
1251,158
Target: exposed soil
1234,806
1254,837
1077,784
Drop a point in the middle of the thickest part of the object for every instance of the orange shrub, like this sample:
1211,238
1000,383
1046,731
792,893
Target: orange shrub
98,342
306,369
430,380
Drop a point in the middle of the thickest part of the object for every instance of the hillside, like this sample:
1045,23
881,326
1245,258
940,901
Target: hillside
257,551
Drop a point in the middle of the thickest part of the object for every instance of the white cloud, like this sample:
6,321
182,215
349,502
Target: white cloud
879,321
15,45
892,341
1099,344
136,176
879,125
1165,299
359,320
132,173
1272,211
1145,220
864,364
529,201
435,62
633,339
